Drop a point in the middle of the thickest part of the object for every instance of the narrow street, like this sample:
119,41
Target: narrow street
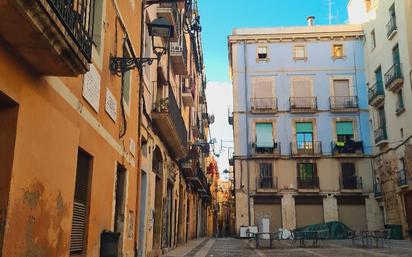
231,247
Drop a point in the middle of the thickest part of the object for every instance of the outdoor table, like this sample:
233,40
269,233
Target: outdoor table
302,236
272,236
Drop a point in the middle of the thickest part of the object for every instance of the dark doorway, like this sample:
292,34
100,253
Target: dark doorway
119,211
157,167
408,206
8,126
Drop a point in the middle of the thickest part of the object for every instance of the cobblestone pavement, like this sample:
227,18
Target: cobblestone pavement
229,247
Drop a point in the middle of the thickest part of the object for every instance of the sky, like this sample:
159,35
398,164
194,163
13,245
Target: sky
219,17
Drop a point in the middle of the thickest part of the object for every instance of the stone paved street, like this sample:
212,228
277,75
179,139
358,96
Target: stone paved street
230,247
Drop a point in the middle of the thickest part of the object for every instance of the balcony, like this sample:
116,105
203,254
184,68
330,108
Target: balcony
381,136
351,184
188,95
53,36
187,168
377,190
264,105
402,178
391,28
169,11
303,104
343,103
178,54
349,148
376,94
266,185
308,183
306,148
266,151
394,78
171,127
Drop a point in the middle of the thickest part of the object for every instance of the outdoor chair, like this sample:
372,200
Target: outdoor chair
382,237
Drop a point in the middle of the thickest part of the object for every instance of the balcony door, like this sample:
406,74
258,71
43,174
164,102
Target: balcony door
344,132
341,92
307,175
263,94
266,175
378,76
302,93
395,55
264,137
304,137
349,178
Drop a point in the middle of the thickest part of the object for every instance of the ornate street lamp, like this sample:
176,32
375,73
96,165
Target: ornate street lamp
159,28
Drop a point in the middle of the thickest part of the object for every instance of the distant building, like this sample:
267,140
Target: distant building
387,26
301,127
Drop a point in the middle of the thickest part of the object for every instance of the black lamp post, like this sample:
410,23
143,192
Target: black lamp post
159,28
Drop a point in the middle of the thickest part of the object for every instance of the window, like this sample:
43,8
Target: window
304,136
144,146
381,118
262,52
349,178
344,131
263,93
395,55
264,137
307,175
368,5
98,24
120,192
399,104
378,78
266,175
373,39
337,51
301,87
80,203
299,52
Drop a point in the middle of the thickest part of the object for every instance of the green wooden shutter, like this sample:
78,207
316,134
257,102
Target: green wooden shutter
304,127
264,135
344,128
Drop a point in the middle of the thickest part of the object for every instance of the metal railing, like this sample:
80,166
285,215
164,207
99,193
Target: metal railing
169,105
264,104
394,73
275,150
306,148
78,18
266,183
375,91
303,103
391,26
308,182
380,134
350,183
402,178
348,147
343,102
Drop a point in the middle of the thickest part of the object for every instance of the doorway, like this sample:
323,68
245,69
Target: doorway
119,211
142,219
157,167
8,126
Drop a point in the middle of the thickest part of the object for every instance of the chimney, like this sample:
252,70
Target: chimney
311,20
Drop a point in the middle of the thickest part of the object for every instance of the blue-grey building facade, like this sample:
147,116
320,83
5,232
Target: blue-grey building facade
301,127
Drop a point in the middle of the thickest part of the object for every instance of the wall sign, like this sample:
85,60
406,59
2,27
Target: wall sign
91,88
111,105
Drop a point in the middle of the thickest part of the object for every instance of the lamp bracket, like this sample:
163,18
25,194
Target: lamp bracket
119,65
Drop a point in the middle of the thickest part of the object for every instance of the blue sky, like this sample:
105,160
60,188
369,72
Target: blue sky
219,17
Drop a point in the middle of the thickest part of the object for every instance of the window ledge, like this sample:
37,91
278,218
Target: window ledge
262,60
300,58
344,57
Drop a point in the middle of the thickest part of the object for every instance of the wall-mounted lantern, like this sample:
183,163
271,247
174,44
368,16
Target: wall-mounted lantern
159,28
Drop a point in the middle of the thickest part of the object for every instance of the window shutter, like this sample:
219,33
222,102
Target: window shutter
301,88
344,128
304,127
264,135
341,87
80,204
262,87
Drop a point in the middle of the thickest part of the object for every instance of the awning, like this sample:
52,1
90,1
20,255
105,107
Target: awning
304,127
344,128
264,135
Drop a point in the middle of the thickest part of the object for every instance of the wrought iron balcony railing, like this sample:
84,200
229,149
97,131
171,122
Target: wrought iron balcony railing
308,182
273,151
351,183
392,75
376,91
266,183
380,135
391,27
77,18
306,148
402,178
341,103
348,147
264,104
303,104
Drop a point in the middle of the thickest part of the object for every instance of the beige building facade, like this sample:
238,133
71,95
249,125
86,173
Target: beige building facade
388,32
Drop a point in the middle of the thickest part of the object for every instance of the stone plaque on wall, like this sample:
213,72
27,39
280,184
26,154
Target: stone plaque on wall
111,105
91,88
